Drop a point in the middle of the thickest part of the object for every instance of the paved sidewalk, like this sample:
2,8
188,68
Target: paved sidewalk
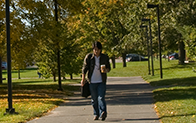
129,100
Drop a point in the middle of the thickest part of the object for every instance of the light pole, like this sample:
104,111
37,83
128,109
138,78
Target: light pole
10,109
150,45
144,26
58,53
159,35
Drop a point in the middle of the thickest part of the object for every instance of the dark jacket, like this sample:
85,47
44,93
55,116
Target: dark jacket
89,64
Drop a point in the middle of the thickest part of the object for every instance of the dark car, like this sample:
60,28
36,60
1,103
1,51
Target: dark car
135,57
4,65
173,56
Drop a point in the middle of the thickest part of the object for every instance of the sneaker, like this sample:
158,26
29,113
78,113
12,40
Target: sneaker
96,118
103,115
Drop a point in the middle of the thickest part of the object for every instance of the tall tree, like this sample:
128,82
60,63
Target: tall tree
178,16
109,22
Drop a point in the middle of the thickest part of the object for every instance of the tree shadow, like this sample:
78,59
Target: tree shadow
178,115
40,81
175,89
38,92
177,66
129,94
165,89
189,81
120,94
134,119
163,95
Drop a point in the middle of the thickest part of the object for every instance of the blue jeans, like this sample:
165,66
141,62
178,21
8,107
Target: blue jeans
98,91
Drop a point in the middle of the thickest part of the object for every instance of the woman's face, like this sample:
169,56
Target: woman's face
96,51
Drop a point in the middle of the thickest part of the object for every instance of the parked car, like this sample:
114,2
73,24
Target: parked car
173,56
135,57
4,65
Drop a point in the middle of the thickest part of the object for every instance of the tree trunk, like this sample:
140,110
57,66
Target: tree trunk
71,76
1,81
181,48
54,76
113,61
19,74
157,56
124,60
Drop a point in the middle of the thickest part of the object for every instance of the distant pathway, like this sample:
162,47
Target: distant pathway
129,100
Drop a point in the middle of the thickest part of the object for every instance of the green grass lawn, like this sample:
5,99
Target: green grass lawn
27,73
30,73
33,97
174,96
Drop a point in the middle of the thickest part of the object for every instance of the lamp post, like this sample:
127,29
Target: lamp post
150,45
58,53
10,109
144,26
159,35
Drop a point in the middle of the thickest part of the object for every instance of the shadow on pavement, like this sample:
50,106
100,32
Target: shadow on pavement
141,119
119,94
